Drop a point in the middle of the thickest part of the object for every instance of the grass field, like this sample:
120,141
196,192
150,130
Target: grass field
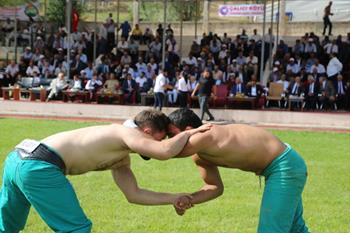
326,196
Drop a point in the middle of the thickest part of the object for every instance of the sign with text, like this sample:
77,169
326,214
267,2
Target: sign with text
23,12
241,10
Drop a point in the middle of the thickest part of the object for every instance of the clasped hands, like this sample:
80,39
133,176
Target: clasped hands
183,203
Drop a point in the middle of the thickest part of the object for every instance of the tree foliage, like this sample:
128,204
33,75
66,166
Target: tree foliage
56,11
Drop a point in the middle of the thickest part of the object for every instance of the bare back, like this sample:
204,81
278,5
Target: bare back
91,148
236,146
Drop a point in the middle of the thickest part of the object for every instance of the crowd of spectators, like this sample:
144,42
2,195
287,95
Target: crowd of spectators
315,68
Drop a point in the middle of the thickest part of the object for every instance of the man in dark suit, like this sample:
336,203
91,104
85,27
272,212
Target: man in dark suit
129,88
341,89
238,88
254,89
311,92
326,96
295,89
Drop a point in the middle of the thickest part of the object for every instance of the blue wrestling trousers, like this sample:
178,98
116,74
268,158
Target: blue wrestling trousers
281,207
36,179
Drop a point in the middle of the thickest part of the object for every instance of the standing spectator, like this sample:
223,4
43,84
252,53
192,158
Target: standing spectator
334,67
326,21
126,28
204,88
159,90
182,90
110,27
256,37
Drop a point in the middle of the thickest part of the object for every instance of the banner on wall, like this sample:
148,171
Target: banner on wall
23,12
241,10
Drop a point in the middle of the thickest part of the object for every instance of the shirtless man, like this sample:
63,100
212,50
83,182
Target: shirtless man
34,173
249,149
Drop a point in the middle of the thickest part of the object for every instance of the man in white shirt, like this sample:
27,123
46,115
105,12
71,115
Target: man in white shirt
56,86
319,67
141,66
182,88
334,67
310,47
31,69
331,47
293,66
159,90
12,69
256,37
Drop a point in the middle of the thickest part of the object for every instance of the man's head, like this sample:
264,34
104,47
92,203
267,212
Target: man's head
152,122
181,120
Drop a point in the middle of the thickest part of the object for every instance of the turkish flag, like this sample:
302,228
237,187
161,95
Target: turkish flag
75,21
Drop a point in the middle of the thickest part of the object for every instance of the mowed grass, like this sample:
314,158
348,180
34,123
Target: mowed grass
326,196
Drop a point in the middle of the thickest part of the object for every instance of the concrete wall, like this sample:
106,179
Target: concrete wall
279,118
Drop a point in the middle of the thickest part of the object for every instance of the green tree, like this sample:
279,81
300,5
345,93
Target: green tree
56,11
12,2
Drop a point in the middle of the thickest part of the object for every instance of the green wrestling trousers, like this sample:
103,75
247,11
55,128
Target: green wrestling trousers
281,207
44,186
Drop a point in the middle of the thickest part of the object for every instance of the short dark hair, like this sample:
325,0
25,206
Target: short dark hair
154,119
184,117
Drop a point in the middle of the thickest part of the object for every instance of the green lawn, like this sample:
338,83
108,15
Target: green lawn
326,196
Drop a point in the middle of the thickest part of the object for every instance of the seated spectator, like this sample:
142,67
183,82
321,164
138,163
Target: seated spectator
218,75
136,33
27,55
285,83
238,89
57,86
294,67
89,71
320,70
282,47
296,87
311,92
11,72
93,85
133,50
298,47
241,60
31,69
331,47
275,75
129,88
76,84
326,95
141,66
8,26
195,49
148,36
190,60
155,48
310,47
341,89
144,84
125,59
192,83
111,85
122,44
36,79
254,89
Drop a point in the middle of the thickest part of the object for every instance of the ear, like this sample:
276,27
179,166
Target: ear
188,127
147,130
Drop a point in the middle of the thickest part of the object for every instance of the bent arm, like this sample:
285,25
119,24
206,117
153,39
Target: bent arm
161,150
213,186
126,181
